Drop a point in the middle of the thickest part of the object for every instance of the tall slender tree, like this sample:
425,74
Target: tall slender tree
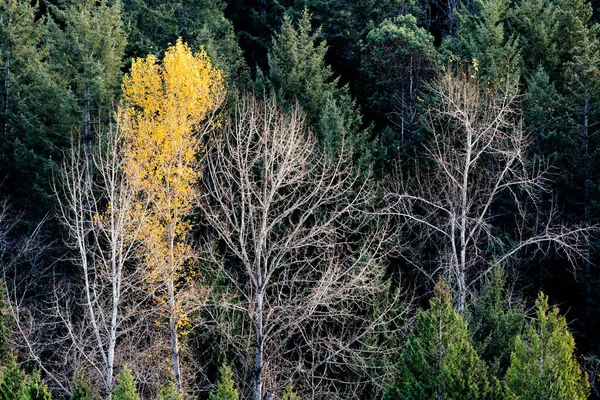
439,360
168,106
542,364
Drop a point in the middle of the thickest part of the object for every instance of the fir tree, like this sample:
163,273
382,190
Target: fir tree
81,388
156,25
439,360
17,385
298,72
481,37
169,392
399,58
225,386
495,320
542,365
124,388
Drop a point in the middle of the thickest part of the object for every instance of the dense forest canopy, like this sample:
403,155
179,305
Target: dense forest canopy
330,199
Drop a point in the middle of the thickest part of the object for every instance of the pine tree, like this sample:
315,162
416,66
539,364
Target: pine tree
225,386
495,319
399,58
439,360
155,25
169,392
124,388
297,72
15,384
481,37
542,365
32,110
81,388
87,45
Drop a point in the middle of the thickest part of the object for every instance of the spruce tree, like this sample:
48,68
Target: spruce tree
169,392
482,37
495,319
225,386
156,25
81,388
439,360
399,58
15,384
298,72
542,365
124,388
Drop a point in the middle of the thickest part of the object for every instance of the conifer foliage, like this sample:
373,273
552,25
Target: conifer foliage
543,364
225,386
439,360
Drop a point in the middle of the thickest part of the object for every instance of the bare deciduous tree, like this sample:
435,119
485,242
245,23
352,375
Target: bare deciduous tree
98,316
301,255
478,156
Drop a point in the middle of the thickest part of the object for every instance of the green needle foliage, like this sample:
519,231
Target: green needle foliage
298,73
543,364
290,394
17,385
169,392
225,386
125,387
439,360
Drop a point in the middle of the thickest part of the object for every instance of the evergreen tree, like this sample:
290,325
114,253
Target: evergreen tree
225,386
495,320
17,385
81,388
124,388
542,365
32,110
297,72
169,392
156,25
290,394
399,58
481,37
87,45
439,360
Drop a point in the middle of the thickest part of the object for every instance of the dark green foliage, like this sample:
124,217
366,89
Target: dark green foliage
6,324
81,388
399,57
298,72
439,360
481,37
124,388
495,320
225,386
154,25
542,365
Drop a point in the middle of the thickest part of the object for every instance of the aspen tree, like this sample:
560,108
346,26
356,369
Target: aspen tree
167,105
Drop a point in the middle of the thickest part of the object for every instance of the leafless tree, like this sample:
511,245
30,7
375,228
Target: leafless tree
300,255
478,156
96,318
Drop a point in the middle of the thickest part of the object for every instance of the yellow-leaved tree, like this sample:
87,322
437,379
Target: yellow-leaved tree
167,108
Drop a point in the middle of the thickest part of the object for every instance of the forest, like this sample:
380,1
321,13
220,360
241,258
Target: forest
299,199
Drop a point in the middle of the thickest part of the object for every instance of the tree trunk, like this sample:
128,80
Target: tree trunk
586,189
6,90
258,357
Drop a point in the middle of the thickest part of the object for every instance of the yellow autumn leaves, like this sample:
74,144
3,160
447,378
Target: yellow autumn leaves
165,109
